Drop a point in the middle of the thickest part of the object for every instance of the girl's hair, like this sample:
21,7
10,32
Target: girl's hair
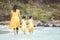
30,17
23,17
14,8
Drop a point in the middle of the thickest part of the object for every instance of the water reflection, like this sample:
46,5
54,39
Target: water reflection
4,32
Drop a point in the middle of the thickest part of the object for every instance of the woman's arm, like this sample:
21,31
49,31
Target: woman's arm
10,14
19,16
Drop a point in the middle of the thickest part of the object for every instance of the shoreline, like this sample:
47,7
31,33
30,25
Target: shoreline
36,24
4,22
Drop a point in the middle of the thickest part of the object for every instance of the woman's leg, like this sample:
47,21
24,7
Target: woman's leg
14,31
17,31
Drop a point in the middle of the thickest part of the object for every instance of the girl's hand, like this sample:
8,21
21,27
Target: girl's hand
27,23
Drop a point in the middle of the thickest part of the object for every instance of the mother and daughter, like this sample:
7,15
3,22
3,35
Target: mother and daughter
16,19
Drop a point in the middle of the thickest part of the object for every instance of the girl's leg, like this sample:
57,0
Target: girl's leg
24,32
29,30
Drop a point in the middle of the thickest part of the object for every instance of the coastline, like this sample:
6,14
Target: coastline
36,24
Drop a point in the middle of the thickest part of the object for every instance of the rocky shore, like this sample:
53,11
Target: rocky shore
36,24
4,22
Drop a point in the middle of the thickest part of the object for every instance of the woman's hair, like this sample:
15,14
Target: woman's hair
14,8
23,17
30,17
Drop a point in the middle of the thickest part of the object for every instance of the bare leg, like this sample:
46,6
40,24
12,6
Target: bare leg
17,32
24,32
14,31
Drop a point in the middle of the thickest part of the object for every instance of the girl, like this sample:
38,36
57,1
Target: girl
30,24
15,20
23,24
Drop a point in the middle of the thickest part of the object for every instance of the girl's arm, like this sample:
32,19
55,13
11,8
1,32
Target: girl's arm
33,22
27,22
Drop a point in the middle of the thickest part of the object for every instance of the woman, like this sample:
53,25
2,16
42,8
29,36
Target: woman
15,20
